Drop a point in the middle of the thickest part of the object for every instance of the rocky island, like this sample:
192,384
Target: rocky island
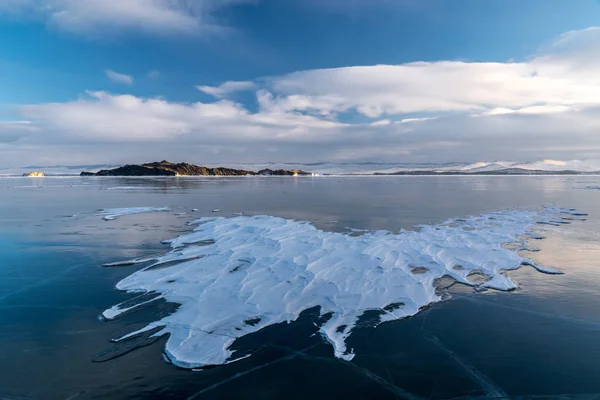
166,168
35,174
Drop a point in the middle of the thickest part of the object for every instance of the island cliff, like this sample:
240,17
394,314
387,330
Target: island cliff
35,174
166,168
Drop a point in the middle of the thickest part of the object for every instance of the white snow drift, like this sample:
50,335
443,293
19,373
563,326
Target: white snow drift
239,275
110,214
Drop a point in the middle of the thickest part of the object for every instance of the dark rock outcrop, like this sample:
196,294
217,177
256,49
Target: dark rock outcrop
135,170
35,174
284,172
166,168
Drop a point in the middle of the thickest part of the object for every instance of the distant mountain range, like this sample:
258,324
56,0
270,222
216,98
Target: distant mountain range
542,167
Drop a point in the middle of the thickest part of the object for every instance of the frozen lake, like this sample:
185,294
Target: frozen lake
538,340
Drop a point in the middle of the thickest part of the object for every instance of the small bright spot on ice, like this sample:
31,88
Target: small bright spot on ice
110,214
268,270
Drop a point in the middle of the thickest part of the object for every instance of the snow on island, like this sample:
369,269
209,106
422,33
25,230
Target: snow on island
235,276
34,174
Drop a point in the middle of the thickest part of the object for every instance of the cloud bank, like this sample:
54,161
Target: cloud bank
102,16
544,107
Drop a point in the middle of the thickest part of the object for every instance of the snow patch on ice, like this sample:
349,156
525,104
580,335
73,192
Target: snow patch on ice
143,188
268,270
110,214
116,311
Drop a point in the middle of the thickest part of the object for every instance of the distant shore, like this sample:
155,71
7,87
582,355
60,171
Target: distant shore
166,168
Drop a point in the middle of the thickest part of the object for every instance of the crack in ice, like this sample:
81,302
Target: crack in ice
489,387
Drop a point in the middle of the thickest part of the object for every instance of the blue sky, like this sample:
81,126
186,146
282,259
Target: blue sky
86,60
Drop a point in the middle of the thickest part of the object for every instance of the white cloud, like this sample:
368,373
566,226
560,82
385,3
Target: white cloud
124,118
545,107
227,88
154,74
104,16
564,75
4,124
11,131
527,110
445,86
118,77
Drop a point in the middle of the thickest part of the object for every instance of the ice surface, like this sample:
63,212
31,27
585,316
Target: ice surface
237,275
110,214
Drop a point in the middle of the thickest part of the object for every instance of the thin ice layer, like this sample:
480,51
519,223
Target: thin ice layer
110,214
239,275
